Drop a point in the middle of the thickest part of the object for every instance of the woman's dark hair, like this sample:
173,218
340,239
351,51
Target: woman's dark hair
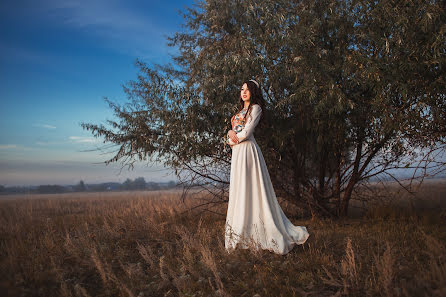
256,98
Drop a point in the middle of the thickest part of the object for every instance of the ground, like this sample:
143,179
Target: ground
147,244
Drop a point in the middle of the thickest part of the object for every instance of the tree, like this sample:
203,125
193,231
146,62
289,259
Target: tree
153,186
171,184
353,89
50,189
139,183
80,187
127,184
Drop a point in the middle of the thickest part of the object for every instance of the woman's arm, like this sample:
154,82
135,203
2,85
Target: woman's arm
251,123
229,141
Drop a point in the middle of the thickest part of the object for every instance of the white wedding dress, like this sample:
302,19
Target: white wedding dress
254,217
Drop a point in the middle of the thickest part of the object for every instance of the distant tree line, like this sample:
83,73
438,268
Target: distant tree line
138,183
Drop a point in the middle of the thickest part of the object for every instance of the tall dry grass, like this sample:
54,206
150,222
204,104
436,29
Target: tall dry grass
145,244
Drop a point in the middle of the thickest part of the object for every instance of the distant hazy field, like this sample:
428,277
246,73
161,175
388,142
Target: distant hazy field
148,244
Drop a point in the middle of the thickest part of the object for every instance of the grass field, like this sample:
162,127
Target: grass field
147,244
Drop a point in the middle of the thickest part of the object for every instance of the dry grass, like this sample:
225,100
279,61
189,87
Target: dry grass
139,244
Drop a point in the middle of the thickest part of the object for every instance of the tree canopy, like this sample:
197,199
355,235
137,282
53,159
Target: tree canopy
353,89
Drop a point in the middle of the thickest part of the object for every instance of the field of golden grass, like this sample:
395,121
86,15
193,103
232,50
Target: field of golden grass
148,244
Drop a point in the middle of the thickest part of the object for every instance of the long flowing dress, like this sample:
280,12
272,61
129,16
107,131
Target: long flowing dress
254,217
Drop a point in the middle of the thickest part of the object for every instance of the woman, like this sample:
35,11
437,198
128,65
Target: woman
254,218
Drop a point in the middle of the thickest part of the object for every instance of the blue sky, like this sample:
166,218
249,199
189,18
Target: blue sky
58,59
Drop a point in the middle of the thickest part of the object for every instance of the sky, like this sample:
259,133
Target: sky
58,60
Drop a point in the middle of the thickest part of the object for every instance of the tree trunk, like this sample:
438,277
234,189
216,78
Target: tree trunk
343,211
353,179
338,185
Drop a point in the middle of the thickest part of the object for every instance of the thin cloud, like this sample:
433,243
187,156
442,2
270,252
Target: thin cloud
44,143
7,146
81,139
46,126
118,26
15,147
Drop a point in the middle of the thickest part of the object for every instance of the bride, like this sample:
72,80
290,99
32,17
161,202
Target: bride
254,218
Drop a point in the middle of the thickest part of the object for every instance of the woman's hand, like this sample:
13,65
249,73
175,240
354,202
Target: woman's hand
233,136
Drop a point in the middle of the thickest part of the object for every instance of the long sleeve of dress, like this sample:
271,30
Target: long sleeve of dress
251,123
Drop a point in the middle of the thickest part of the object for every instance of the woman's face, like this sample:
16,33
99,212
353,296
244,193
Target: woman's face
244,93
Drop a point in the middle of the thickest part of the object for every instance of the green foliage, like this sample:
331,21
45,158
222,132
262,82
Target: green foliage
352,89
